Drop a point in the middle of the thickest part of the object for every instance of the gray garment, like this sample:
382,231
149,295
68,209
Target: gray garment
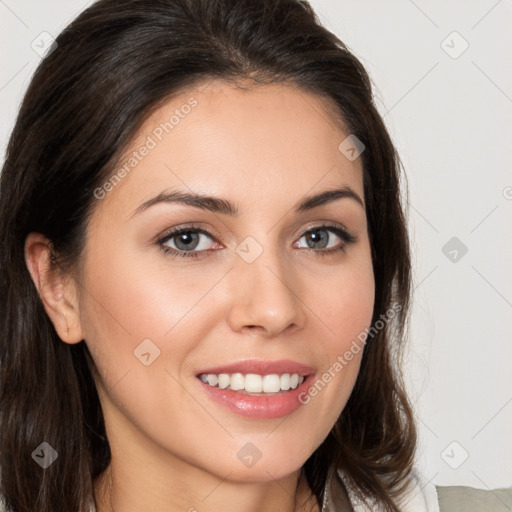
468,499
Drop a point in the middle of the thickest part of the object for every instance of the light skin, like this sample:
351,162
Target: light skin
265,149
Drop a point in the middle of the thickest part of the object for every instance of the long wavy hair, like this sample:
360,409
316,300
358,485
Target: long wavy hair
111,68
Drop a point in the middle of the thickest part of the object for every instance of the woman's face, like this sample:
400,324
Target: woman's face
157,311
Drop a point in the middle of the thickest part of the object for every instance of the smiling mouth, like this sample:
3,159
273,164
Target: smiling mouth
254,384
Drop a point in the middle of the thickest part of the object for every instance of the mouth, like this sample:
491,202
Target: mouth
249,401
257,378
254,384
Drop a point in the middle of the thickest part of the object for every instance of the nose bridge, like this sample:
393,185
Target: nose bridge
264,289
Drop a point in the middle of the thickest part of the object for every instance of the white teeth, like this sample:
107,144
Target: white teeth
224,380
271,383
212,379
253,383
285,382
237,381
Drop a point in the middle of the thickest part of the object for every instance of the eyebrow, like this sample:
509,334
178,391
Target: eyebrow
225,207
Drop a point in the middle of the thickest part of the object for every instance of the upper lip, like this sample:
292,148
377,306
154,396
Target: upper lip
261,367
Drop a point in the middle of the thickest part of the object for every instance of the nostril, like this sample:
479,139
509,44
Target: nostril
253,330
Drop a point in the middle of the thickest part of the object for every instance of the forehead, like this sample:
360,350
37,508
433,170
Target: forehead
258,143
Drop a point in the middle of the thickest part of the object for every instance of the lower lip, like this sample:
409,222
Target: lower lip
262,407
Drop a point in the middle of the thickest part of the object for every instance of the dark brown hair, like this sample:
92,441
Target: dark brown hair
112,66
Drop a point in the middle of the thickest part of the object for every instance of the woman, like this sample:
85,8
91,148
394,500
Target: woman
177,332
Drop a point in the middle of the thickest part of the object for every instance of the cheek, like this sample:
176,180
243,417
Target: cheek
119,309
345,304
124,296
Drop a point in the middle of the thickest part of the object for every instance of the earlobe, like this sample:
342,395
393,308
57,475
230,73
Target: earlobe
57,292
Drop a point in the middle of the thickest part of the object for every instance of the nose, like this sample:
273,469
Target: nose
265,298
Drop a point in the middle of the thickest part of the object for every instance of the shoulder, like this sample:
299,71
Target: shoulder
469,499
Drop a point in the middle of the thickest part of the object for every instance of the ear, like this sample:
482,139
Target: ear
58,293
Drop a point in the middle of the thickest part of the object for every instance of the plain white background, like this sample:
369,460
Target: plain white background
443,82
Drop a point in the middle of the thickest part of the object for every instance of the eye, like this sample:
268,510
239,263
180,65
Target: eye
321,238
186,242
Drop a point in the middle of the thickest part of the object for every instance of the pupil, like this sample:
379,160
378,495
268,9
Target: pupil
316,238
187,240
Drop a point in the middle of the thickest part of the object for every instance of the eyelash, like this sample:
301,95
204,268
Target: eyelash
334,228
